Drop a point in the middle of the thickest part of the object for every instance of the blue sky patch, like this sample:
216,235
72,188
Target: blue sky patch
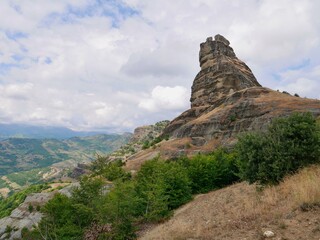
112,9
14,35
48,60
17,58
6,67
304,63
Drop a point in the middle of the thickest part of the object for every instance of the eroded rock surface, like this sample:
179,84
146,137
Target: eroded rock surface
227,99
221,73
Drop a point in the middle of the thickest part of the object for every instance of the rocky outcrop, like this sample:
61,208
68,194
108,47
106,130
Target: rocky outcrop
245,110
22,217
148,132
221,73
227,99
27,214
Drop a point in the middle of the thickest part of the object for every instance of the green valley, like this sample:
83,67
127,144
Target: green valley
26,161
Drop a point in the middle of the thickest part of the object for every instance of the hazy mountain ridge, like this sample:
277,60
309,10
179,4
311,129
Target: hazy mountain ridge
41,132
23,154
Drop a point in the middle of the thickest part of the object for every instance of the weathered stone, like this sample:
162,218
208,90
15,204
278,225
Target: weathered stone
222,73
226,99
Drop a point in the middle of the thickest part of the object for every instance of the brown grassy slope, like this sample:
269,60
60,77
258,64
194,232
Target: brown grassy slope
291,210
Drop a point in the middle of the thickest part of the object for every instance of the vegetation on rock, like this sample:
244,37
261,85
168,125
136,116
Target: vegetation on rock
13,201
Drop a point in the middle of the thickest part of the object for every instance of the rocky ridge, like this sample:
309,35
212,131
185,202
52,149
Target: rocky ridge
226,100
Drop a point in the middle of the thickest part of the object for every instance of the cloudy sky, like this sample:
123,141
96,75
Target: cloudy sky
115,65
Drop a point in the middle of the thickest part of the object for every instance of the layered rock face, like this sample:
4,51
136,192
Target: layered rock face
227,99
221,73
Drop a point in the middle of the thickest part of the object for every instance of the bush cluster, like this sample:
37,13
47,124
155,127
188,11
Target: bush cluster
158,188
288,145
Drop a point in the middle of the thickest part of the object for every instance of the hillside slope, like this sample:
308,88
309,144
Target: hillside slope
290,210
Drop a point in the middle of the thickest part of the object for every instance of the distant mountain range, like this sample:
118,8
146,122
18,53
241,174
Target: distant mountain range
23,154
41,132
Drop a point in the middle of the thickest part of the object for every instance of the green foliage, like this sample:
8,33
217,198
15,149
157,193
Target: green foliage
13,201
120,207
146,144
208,172
67,218
157,189
288,144
162,187
26,234
30,208
232,117
113,172
64,219
110,170
89,191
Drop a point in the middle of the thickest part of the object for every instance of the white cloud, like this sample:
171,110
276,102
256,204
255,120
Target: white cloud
89,66
166,98
304,82
16,91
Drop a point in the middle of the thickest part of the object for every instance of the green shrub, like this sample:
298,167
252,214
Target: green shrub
120,207
287,145
64,219
110,170
30,208
208,172
113,172
146,144
162,186
89,191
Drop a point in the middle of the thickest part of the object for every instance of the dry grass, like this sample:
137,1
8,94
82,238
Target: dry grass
243,212
301,189
304,187
295,190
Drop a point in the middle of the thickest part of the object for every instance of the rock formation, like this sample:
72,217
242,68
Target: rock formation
221,73
227,99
